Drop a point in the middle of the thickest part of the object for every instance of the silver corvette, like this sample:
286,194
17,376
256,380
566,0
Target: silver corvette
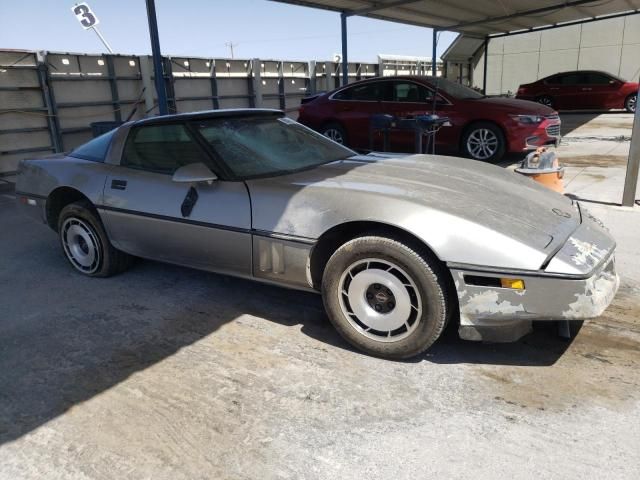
397,245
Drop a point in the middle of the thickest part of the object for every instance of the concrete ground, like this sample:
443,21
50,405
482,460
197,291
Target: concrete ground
165,372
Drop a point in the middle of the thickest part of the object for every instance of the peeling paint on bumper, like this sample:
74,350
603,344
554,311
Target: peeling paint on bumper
579,283
502,314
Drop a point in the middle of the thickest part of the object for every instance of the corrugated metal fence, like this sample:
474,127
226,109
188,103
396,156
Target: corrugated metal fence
49,99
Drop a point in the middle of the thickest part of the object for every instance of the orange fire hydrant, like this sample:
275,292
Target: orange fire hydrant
543,167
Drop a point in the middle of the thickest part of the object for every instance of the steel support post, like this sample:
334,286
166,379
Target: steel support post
633,164
345,61
113,84
486,62
434,46
256,82
312,88
52,119
157,58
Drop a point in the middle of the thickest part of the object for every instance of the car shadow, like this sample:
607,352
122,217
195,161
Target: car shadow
574,119
60,351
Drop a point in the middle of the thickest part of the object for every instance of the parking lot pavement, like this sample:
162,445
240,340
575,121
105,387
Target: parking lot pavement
166,372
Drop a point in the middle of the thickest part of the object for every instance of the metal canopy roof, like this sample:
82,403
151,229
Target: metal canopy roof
478,18
462,49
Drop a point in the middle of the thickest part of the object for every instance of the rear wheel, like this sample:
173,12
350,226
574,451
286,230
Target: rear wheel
545,100
85,242
630,103
484,141
335,132
385,298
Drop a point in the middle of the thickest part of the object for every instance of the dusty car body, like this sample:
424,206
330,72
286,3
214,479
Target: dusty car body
506,251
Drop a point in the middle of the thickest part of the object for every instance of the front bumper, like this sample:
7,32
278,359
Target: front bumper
579,283
527,137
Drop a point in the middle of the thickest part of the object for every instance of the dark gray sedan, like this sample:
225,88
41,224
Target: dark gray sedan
397,245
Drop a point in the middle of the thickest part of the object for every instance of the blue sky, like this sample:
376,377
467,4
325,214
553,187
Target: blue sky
260,28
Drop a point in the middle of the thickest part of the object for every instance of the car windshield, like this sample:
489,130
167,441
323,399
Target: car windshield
268,145
454,89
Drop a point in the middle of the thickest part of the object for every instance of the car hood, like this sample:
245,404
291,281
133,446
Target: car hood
464,194
513,105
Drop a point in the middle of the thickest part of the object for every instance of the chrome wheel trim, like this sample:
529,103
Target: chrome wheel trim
81,245
632,102
482,143
398,323
335,135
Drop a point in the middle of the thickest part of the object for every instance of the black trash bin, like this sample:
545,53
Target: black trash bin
99,128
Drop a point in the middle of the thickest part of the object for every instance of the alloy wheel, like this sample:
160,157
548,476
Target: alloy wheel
482,144
545,101
335,135
380,300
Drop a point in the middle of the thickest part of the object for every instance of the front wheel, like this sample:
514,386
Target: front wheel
630,103
85,242
484,141
385,298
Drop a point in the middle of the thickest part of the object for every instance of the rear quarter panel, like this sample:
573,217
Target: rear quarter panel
39,178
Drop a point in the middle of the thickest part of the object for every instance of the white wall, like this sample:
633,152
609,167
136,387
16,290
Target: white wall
611,45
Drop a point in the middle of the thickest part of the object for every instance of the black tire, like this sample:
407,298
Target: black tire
545,100
427,296
631,102
335,132
84,240
475,132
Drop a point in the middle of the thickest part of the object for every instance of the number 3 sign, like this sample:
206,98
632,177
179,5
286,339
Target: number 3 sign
85,16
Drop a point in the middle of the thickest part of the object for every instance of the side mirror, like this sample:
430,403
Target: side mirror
194,172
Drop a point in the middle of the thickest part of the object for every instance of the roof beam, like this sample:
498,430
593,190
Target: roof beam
379,6
535,11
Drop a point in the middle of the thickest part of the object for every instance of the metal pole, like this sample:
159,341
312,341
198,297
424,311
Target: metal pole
104,41
434,42
633,164
486,62
345,63
157,57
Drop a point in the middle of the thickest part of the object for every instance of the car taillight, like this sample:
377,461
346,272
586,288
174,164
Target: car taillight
521,90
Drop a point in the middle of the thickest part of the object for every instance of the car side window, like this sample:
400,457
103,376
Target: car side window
571,79
411,92
593,78
161,148
555,80
96,149
369,92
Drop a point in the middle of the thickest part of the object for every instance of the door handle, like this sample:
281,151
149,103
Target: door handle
586,89
118,184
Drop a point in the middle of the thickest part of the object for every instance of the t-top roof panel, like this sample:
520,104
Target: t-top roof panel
480,17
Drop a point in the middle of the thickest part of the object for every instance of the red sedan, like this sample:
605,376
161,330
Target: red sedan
580,90
482,128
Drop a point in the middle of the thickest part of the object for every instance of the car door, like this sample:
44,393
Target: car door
602,90
566,91
202,224
408,99
353,108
